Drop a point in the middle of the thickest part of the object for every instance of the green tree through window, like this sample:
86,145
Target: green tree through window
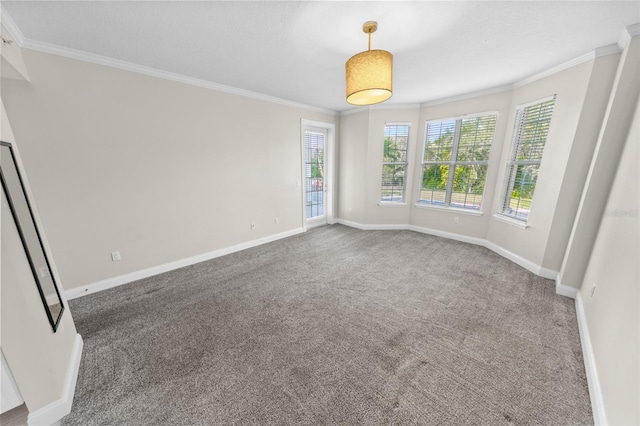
529,137
394,162
455,161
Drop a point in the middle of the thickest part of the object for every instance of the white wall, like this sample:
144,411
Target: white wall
613,312
40,360
158,170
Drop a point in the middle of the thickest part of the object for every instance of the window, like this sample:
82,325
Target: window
394,162
529,136
455,160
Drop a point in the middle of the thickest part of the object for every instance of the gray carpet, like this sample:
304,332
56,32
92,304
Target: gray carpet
335,326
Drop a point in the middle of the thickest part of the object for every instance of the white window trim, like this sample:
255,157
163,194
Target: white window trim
392,204
500,215
454,152
406,169
456,210
511,221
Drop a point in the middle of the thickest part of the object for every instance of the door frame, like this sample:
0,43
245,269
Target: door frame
329,172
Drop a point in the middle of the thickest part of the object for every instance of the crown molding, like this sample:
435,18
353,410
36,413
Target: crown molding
153,72
627,33
380,106
354,111
610,49
11,26
566,65
633,29
80,55
464,96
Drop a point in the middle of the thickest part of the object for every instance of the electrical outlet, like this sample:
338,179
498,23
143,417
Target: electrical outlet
456,219
115,256
593,290
253,226
276,220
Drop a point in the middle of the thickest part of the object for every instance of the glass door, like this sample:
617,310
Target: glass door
314,144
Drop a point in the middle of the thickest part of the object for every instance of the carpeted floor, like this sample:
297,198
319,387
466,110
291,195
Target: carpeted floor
334,326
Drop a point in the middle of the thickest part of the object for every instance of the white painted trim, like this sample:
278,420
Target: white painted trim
382,106
515,258
54,412
449,209
593,380
610,49
153,72
330,167
448,235
563,66
376,227
155,270
385,106
511,221
461,97
549,274
627,34
565,290
11,26
633,29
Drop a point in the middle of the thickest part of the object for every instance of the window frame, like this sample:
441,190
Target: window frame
520,115
405,163
452,163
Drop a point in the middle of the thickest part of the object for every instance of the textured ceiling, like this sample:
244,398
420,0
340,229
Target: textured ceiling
297,50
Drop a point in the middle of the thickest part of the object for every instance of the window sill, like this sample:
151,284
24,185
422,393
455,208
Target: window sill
450,209
392,204
511,221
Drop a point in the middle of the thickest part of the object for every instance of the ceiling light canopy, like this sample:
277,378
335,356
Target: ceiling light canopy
369,73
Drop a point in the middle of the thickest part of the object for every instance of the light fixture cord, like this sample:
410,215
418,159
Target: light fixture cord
369,40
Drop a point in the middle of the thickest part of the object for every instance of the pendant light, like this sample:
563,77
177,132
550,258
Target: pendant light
369,73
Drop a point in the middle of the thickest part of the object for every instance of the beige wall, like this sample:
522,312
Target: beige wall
158,170
582,149
570,86
353,163
582,92
441,219
38,358
613,312
613,133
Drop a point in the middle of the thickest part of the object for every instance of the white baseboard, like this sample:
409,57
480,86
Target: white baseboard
54,412
367,227
565,290
149,272
595,391
449,235
517,259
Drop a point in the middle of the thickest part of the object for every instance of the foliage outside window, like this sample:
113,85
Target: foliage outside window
394,163
529,137
455,161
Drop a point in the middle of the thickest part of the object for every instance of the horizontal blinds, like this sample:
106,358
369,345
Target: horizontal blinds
476,136
396,141
439,141
455,162
530,135
532,128
394,167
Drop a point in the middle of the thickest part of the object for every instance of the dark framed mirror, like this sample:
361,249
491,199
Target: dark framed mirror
16,196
